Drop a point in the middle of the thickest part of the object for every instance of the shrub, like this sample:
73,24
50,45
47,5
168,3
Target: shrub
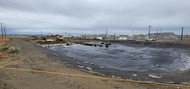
4,47
9,49
12,49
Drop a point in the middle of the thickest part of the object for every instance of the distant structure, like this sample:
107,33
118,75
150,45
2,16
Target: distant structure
99,38
50,40
60,38
50,34
122,38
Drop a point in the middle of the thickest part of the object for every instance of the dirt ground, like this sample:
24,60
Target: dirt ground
29,57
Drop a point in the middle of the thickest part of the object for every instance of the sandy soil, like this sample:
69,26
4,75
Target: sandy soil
31,58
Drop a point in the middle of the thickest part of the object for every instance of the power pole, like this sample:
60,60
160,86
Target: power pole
85,37
106,33
5,32
182,33
41,33
65,34
161,30
2,30
114,37
149,30
132,32
187,35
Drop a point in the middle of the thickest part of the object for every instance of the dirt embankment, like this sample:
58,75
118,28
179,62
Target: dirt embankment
31,58
155,44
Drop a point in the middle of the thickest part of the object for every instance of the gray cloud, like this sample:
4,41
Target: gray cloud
95,15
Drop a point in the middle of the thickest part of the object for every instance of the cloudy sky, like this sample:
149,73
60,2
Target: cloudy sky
94,16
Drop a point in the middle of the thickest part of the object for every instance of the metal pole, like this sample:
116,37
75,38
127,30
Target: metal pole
187,34
2,30
41,33
161,30
5,32
114,37
149,31
65,34
182,33
106,33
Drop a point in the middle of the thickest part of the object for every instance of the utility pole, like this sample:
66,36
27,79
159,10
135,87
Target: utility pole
106,33
161,30
132,32
41,33
182,33
149,26
5,32
187,35
2,30
65,34
114,37
85,37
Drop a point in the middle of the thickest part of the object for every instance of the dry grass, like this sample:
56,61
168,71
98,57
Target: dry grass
4,40
17,36
185,42
14,37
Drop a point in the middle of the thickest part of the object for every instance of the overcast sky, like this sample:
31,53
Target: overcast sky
94,16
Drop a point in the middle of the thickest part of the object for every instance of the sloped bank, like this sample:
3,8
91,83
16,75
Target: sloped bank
153,44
